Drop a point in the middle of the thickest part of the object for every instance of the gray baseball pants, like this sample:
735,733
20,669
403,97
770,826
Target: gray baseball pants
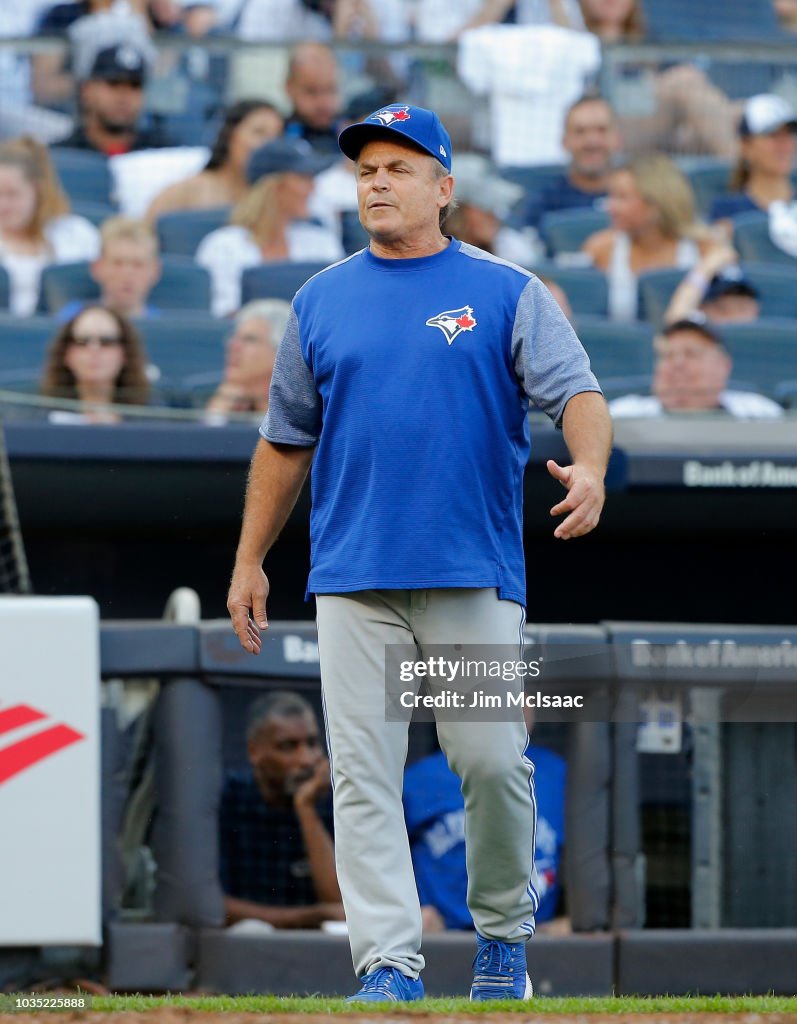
368,753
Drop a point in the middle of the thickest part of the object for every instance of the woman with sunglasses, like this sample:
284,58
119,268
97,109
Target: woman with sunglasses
98,359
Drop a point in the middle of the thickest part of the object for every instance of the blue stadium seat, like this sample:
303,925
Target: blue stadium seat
276,280
656,288
586,288
23,344
709,177
687,21
84,174
180,233
181,349
5,288
764,354
183,285
567,230
534,178
354,235
95,212
751,240
621,355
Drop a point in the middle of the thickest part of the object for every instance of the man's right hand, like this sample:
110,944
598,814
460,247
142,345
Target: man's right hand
246,603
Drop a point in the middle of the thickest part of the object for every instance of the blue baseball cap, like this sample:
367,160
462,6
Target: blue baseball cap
421,127
285,154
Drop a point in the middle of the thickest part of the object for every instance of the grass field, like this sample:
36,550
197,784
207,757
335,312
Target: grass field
542,1005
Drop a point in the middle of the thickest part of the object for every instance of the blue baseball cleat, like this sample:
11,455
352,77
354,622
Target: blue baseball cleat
388,985
499,971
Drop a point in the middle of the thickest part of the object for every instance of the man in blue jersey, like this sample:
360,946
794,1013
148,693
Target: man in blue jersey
405,376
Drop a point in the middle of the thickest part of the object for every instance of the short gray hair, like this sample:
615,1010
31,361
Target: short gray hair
278,704
274,312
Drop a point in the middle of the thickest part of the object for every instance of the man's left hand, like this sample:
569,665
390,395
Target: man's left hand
311,789
584,501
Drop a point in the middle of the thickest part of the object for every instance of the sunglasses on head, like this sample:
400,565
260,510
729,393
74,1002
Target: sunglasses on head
103,340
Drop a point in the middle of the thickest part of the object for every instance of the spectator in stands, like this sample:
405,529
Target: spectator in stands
691,375
269,223
592,142
786,11
247,125
280,20
98,359
313,87
251,351
36,227
768,149
614,21
126,270
440,21
277,860
653,224
717,288
484,201
111,105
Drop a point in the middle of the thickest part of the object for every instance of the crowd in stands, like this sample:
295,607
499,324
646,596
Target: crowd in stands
114,216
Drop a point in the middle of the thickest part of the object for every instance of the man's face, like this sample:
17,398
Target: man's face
126,271
691,371
398,192
591,138
250,357
116,105
283,754
314,91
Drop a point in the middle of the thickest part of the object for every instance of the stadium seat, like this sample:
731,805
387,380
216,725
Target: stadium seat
764,354
586,287
533,178
687,21
5,288
354,235
183,285
567,230
95,212
709,177
180,233
181,349
23,345
751,240
276,280
621,355
656,288
83,173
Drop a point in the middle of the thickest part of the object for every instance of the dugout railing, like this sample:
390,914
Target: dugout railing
613,947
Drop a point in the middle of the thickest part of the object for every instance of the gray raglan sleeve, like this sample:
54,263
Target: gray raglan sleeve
549,360
294,405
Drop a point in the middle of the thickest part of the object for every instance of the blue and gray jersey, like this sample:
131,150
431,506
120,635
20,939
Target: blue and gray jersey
413,378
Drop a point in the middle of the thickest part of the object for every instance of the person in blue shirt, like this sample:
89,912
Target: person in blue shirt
592,140
405,375
767,159
435,814
127,270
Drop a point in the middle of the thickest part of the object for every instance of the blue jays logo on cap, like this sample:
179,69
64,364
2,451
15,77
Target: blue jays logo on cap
388,116
453,322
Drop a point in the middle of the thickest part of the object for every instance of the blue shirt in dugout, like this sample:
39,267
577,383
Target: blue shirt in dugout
413,377
434,811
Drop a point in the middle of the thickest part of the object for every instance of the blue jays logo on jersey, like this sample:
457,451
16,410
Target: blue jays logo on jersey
453,322
389,115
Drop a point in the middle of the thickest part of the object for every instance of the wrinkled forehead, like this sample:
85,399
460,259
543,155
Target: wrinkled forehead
387,149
